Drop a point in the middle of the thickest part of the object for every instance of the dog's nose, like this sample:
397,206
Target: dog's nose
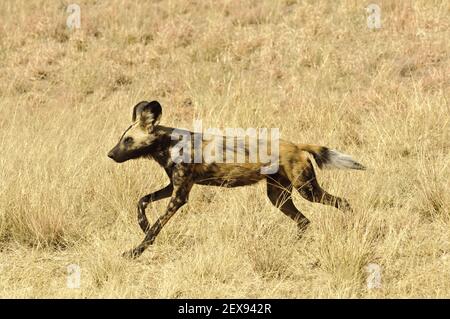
110,155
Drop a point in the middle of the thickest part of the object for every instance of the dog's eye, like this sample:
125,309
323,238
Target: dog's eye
128,140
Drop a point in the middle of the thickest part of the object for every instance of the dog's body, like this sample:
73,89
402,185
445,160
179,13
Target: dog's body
145,138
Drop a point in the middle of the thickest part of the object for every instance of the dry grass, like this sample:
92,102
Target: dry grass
311,68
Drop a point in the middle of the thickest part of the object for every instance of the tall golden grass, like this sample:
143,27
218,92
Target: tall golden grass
311,68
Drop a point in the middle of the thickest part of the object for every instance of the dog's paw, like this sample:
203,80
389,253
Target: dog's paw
131,254
344,206
302,227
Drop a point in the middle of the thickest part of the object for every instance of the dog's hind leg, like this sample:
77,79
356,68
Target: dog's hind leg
304,180
279,191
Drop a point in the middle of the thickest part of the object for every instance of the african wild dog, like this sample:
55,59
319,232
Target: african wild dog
145,138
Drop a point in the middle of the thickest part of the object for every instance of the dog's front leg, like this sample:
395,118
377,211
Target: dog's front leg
153,197
182,184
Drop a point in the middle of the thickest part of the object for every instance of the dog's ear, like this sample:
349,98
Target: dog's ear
148,113
137,110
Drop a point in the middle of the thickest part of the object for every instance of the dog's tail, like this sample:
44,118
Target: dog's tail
328,158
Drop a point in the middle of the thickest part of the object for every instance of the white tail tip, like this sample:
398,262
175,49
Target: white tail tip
335,159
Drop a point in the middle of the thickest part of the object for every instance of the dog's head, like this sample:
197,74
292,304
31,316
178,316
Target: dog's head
140,136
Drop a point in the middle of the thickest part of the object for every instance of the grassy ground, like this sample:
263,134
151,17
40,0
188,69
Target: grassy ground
311,68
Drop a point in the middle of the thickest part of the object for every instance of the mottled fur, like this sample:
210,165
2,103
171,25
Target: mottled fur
145,138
